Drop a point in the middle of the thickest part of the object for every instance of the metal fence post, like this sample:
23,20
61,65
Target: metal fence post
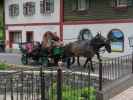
132,60
59,82
5,90
100,75
21,92
42,84
11,87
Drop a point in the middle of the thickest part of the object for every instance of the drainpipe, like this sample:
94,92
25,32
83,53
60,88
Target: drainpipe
4,30
61,19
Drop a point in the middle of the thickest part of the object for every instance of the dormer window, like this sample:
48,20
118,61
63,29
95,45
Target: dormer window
13,10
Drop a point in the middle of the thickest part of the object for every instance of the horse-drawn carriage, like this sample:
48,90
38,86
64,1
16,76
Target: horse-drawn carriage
41,53
51,50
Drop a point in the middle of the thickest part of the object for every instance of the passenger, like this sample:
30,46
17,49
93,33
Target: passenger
50,40
29,47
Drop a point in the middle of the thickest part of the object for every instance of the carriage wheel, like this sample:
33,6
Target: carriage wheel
24,59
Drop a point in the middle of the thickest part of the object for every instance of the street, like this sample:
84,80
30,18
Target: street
10,58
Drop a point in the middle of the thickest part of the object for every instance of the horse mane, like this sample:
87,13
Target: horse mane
46,36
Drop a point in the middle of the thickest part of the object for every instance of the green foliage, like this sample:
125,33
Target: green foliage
3,66
1,35
69,93
1,28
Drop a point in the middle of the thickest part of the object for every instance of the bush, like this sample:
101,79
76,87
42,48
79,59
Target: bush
3,66
69,93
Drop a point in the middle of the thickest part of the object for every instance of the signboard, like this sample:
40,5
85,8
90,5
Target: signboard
117,46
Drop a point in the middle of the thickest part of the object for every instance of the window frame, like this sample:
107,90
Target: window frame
17,34
122,3
29,8
14,10
119,3
75,5
82,5
47,6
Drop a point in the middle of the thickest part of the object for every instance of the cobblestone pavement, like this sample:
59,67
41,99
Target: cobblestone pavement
126,95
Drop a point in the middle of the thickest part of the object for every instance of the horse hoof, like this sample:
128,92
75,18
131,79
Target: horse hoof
45,65
68,67
84,66
93,70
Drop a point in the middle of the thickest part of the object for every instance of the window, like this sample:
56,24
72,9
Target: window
85,34
16,37
14,10
46,6
80,5
130,3
29,36
117,40
29,8
120,3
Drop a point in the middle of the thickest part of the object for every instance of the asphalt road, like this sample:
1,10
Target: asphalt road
11,58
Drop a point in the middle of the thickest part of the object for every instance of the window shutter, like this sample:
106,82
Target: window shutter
88,4
33,8
130,2
24,9
74,4
51,6
42,6
10,10
17,12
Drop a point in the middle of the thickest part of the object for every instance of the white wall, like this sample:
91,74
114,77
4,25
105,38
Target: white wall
71,32
38,31
37,18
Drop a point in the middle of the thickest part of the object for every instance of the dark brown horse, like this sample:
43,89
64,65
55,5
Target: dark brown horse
87,48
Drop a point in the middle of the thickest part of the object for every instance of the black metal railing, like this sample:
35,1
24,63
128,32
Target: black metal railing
116,68
44,84
59,83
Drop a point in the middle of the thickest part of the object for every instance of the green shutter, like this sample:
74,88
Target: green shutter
130,2
88,4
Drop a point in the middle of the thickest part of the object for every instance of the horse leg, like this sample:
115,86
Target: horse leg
86,62
69,62
73,60
91,65
78,61
98,56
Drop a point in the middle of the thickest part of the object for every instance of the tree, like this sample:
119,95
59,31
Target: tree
2,19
